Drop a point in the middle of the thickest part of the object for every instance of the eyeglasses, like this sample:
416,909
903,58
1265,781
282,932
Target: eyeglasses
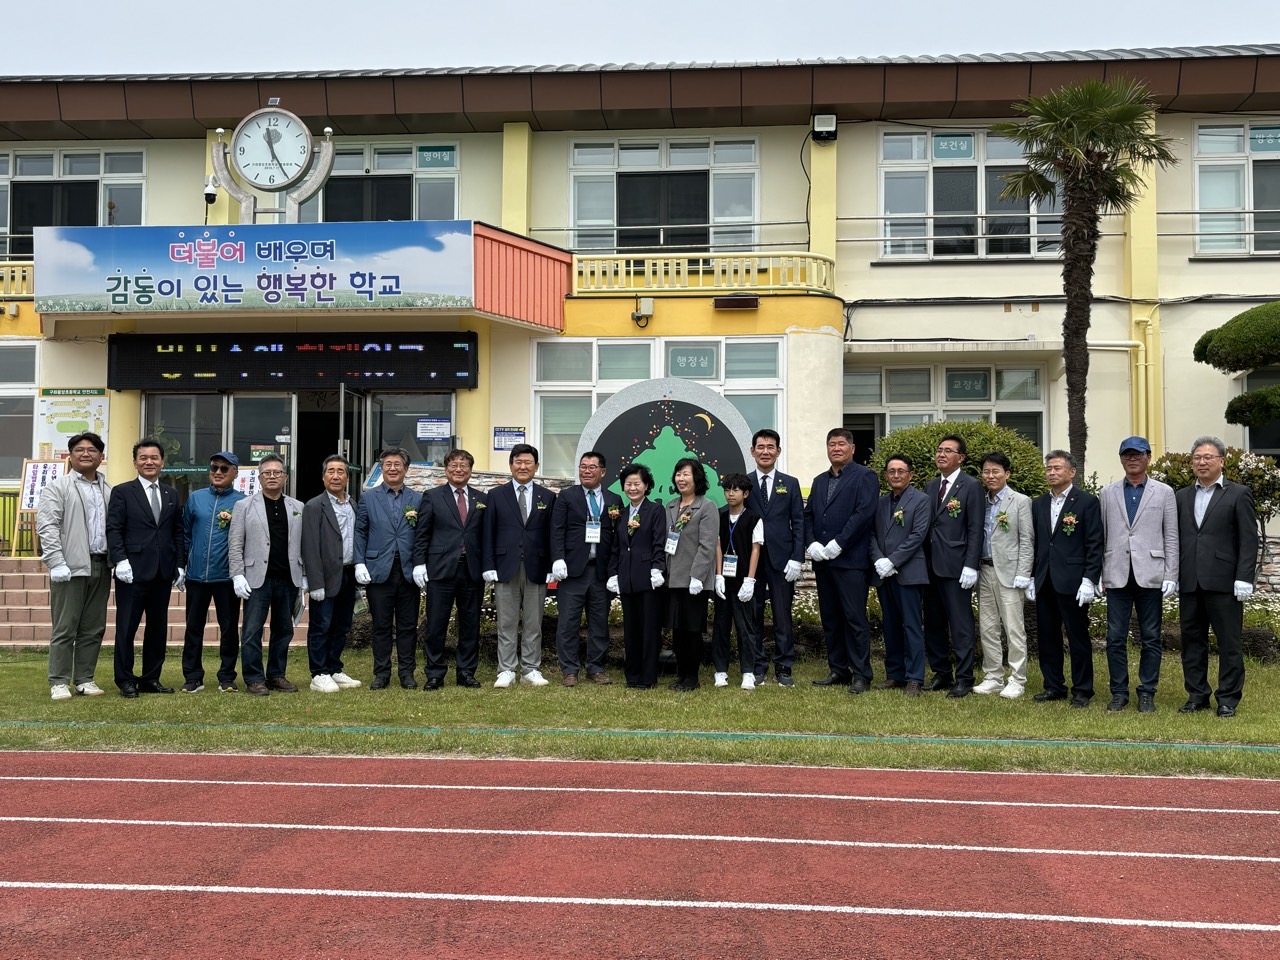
993,473
220,468
265,474
1206,457
946,450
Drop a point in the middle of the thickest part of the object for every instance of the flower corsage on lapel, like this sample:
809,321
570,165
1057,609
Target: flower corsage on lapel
780,489
224,519
614,513
411,516
899,517
542,504
1068,521
1002,520
953,507
683,520
633,525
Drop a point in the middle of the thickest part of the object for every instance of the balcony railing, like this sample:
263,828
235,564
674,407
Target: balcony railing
704,273
17,280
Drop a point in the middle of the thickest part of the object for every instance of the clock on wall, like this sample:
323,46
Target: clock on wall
271,149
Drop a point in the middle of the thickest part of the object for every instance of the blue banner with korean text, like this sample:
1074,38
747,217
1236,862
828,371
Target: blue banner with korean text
398,265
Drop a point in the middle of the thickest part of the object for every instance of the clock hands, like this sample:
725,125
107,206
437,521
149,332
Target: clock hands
271,136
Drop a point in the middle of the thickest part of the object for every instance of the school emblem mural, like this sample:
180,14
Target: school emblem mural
658,422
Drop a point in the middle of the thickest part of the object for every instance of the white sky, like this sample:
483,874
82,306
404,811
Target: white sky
147,36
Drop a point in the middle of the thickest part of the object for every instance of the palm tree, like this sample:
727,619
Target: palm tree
1091,143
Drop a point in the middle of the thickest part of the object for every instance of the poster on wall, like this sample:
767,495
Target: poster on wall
62,412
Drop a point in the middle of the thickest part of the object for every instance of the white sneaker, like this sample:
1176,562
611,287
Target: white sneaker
722,679
505,678
1012,690
323,683
89,689
345,682
534,678
990,685
748,681
60,691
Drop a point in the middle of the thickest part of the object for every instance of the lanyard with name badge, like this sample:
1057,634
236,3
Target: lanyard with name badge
729,565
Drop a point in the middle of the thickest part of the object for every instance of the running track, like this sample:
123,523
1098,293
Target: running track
189,856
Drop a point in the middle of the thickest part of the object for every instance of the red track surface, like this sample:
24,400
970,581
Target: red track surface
661,861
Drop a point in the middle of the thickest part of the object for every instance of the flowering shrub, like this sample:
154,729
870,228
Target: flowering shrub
1255,471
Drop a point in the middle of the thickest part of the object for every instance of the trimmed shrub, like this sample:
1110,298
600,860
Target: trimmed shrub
980,438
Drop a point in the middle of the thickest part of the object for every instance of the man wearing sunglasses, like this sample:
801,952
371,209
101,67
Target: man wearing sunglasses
206,525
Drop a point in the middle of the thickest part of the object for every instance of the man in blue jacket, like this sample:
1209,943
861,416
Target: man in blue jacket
206,521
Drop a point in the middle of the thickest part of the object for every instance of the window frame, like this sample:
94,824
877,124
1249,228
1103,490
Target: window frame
1247,213
21,389
313,209
11,157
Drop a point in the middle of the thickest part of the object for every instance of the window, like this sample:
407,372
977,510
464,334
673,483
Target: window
1266,438
67,188
572,378
1238,185
943,189
388,182
657,194
1009,396
17,407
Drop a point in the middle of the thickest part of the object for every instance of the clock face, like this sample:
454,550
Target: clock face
271,149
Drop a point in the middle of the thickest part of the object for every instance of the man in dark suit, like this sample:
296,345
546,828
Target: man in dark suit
1068,531
837,527
582,530
952,551
328,558
447,556
145,546
385,522
1218,538
775,496
517,548
897,554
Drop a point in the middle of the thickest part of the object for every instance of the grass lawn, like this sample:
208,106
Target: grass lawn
803,725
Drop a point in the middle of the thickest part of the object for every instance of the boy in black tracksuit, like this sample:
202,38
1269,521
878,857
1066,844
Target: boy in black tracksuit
738,552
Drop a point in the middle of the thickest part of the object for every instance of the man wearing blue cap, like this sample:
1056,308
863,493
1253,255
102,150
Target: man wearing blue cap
1139,567
206,523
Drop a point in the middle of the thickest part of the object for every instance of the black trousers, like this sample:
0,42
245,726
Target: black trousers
442,595
573,596
227,607
1057,613
773,586
842,603
393,607
948,624
641,636
133,600
1198,611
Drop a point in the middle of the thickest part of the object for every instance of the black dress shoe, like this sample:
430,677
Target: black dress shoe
147,687
409,683
1194,706
1079,703
833,679
1224,710
939,682
1047,695
467,680
960,691
1117,704
380,683
1146,703
433,683
891,685
129,691
858,685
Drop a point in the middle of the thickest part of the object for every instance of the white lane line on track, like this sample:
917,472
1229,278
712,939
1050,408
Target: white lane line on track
616,835
636,902
634,791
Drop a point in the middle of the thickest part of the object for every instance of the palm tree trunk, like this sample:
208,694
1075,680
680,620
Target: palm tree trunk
1080,219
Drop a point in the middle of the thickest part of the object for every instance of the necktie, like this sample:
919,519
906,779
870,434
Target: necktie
155,502
462,506
942,493
524,505
595,507
764,488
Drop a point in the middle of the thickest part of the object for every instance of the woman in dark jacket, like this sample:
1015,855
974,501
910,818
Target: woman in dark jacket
636,572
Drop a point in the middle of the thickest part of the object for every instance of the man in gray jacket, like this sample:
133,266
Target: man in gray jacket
72,526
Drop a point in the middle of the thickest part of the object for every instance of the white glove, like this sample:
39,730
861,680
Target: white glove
180,581
656,579
832,550
1244,590
551,578
719,586
968,577
1168,588
420,576
748,590
612,585
490,576
60,574
884,568
559,570
124,571
792,571
241,586
1021,583
815,551
362,575
317,595
1086,593
1031,591
305,588
695,586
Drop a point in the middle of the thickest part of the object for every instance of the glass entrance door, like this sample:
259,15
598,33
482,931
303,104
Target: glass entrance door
261,425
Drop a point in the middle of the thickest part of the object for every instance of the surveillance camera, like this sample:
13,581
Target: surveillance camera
210,193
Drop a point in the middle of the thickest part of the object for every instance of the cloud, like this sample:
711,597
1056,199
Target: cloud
65,266
447,270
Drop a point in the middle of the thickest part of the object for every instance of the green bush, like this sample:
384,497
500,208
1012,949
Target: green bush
980,438
1248,340
1255,471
